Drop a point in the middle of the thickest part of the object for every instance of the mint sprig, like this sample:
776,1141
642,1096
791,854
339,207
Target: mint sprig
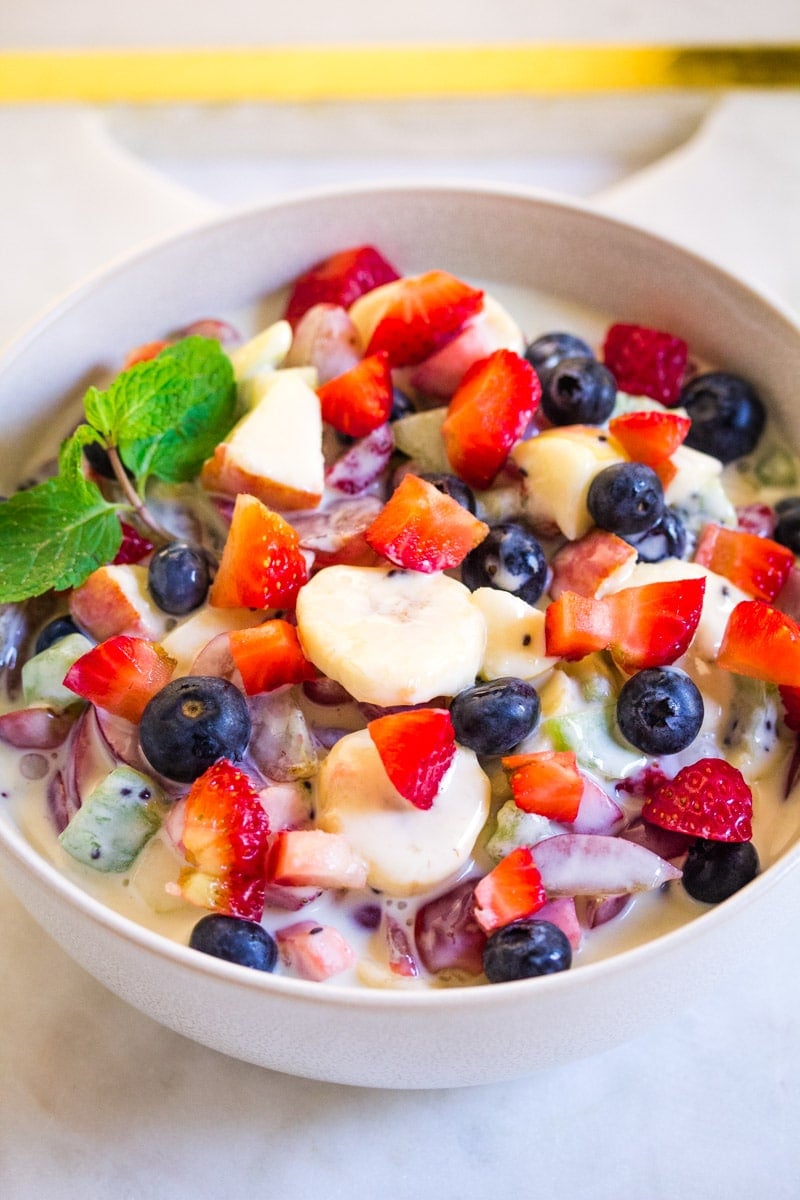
161,418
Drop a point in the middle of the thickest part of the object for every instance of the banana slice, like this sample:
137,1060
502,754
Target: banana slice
407,849
391,636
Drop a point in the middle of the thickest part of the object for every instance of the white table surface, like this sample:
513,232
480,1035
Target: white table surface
96,1101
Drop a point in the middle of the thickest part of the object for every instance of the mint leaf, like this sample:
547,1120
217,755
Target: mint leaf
167,415
55,534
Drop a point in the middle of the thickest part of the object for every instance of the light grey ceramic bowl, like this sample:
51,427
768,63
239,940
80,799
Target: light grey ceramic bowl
372,1037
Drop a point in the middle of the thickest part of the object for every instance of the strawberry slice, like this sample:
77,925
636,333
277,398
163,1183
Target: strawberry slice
416,748
755,564
510,892
490,411
708,799
269,656
262,565
424,314
422,529
650,437
548,783
339,279
761,642
235,894
121,675
648,626
359,401
646,362
225,824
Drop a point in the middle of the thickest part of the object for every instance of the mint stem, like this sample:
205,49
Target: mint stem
134,499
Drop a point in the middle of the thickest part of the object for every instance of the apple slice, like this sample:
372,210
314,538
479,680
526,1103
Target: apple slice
275,451
115,599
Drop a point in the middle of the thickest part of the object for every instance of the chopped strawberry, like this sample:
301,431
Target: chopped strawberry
144,353
339,279
584,565
269,656
121,675
422,529
650,437
547,782
490,411
416,748
510,892
262,565
649,626
359,401
314,951
755,564
225,826
426,313
314,858
761,642
708,799
646,362
759,519
135,546
235,894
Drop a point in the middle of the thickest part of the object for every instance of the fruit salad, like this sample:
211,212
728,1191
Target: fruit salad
396,645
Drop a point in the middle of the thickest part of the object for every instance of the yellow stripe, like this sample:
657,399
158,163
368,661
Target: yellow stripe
308,73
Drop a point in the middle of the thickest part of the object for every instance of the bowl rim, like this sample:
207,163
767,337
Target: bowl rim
34,864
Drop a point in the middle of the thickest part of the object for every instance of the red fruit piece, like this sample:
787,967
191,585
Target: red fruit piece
424,315
548,783
446,934
650,437
755,564
416,748
314,951
225,824
646,362
314,858
269,656
121,675
235,894
510,892
761,642
422,529
135,546
790,696
584,565
262,565
490,411
144,353
649,626
359,401
708,799
339,279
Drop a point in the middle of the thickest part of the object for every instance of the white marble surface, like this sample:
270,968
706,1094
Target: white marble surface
97,1101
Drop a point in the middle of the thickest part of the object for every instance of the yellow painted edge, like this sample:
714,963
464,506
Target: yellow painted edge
309,73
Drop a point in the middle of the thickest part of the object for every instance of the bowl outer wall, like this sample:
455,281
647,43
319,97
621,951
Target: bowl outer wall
371,1038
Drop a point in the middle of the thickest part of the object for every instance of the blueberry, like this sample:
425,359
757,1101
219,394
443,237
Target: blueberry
53,632
491,718
578,391
547,351
179,576
191,723
715,870
666,539
402,405
787,527
525,949
660,710
727,415
626,498
451,485
236,940
509,558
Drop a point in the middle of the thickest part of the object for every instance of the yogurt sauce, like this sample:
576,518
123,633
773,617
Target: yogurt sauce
140,893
